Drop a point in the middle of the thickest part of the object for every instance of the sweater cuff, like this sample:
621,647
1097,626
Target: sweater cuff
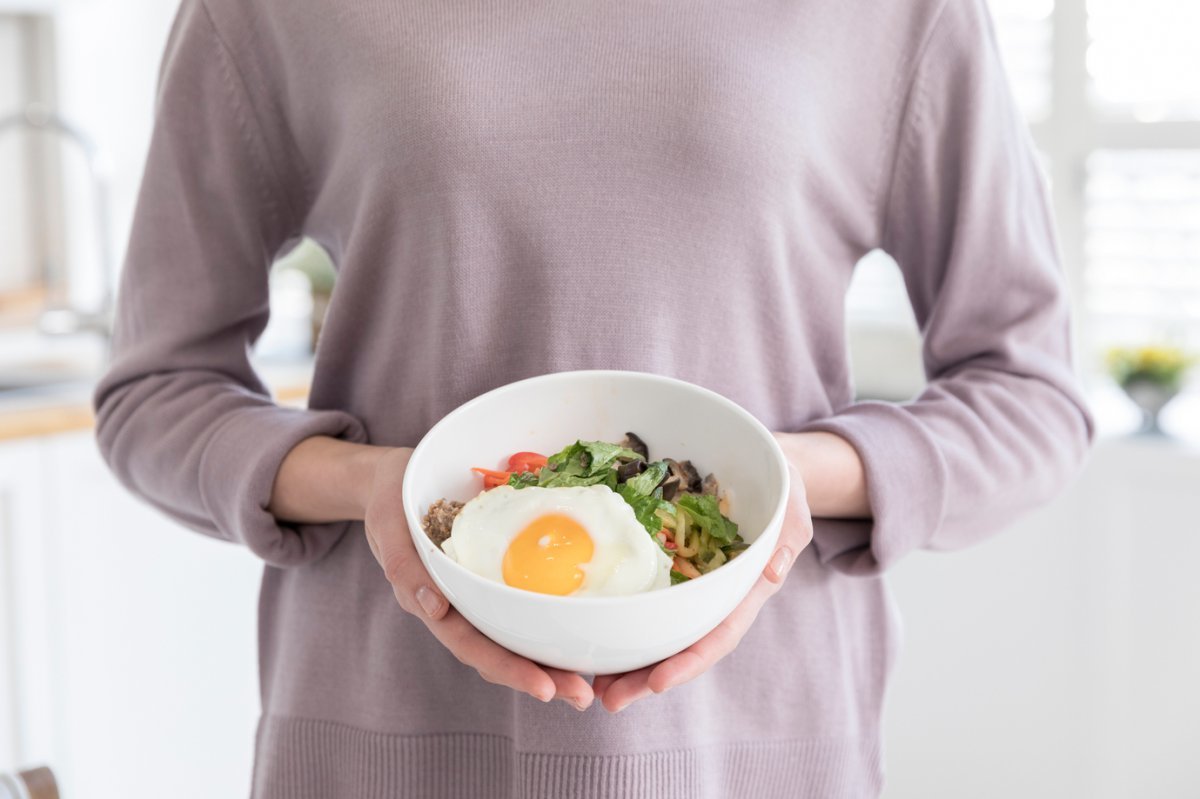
906,486
237,475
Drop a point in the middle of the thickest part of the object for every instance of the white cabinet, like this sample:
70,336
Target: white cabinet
134,650
22,554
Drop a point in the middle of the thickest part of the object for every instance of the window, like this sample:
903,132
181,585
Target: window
1111,92
1143,246
1025,34
1133,212
1142,59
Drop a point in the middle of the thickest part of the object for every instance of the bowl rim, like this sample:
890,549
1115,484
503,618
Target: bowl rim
418,533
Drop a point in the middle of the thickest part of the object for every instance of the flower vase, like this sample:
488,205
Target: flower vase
1151,398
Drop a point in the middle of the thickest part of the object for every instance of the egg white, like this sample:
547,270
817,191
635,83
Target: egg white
625,559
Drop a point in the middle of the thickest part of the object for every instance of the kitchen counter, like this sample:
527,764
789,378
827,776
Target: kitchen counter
52,410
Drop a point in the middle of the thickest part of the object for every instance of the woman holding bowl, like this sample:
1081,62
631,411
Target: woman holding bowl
511,190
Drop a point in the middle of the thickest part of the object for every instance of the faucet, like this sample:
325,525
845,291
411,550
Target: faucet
59,320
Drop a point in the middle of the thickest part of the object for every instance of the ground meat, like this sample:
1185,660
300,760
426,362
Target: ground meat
440,519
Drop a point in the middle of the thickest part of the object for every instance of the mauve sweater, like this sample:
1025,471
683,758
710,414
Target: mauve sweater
514,188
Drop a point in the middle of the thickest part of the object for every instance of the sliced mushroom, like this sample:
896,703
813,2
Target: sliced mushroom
631,441
709,486
629,469
670,486
674,469
691,477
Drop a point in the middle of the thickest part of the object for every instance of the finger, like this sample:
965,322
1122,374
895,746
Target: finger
617,692
600,684
781,562
493,662
414,589
571,688
371,543
797,518
627,688
724,638
796,534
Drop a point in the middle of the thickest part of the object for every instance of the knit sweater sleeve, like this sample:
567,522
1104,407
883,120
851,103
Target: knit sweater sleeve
181,416
1002,424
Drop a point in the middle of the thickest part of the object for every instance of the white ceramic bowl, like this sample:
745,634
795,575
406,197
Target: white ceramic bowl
601,635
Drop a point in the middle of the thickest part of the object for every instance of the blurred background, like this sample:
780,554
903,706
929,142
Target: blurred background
1057,660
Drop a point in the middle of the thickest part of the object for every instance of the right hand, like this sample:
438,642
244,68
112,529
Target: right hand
390,542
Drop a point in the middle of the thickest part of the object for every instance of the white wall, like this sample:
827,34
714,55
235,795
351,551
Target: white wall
1060,658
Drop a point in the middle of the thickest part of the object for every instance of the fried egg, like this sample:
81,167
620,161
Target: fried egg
577,540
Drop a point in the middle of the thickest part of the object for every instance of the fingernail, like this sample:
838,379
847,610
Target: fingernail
543,696
430,602
780,562
574,702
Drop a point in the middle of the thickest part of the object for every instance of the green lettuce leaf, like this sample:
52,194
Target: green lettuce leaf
647,481
574,459
563,479
588,457
583,463
603,453
644,507
678,577
705,512
522,479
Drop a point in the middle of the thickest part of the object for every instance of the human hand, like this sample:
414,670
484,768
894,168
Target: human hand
618,691
390,542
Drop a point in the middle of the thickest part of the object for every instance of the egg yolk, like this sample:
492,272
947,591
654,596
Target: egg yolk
546,556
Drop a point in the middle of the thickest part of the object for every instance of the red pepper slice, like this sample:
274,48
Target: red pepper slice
492,477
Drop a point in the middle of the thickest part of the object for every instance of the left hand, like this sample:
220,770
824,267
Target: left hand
618,691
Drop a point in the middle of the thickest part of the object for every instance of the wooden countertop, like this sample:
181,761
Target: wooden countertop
71,416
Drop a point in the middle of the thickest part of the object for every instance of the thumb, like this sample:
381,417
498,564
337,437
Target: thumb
797,529
411,583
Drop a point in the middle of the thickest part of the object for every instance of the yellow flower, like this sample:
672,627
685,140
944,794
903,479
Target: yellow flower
1160,364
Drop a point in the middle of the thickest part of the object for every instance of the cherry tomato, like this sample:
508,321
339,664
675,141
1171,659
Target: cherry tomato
526,462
